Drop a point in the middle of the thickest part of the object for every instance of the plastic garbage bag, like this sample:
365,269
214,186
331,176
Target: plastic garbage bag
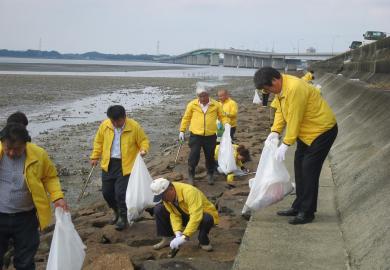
256,98
67,250
272,181
226,160
138,194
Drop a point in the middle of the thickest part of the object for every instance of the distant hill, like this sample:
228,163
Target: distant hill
82,56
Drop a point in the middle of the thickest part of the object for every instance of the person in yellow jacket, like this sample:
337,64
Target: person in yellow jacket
183,211
309,76
311,123
201,116
117,142
230,109
28,183
241,155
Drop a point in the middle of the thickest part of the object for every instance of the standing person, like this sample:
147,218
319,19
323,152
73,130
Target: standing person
309,76
28,183
310,122
118,141
185,209
201,115
230,109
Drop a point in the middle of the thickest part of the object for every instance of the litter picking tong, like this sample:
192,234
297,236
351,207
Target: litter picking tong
85,185
178,151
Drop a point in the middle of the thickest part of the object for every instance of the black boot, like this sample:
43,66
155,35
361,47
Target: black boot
210,179
121,223
191,175
115,217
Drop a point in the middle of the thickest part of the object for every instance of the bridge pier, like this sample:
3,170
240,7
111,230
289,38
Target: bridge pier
214,59
202,59
230,60
278,63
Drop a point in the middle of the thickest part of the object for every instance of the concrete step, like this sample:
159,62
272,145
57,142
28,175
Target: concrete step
270,242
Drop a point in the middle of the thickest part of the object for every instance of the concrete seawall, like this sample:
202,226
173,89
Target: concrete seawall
360,161
360,157
370,63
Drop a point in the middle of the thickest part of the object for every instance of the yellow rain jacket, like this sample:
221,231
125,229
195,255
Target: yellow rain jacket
235,146
133,139
307,77
194,203
230,110
42,181
200,123
301,107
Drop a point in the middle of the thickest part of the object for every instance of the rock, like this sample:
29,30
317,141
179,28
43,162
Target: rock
187,264
118,261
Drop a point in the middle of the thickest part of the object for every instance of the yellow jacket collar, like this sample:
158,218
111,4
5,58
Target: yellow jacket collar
179,193
127,126
31,157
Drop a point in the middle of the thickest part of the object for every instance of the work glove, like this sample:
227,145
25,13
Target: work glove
177,242
272,135
178,234
228,125
280,154
181,136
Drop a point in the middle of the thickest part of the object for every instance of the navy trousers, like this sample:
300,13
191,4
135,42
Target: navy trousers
164,227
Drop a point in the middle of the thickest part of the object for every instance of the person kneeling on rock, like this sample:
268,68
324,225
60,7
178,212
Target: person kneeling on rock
183,211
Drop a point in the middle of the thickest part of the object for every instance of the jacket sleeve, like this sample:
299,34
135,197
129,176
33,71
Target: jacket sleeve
221,117
142,139
50,179
195,210
297,101
98,144
279,122
176,220
185,121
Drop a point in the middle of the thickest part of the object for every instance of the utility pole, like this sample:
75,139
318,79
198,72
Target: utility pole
158,48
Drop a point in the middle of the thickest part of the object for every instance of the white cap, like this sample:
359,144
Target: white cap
200,90
158,186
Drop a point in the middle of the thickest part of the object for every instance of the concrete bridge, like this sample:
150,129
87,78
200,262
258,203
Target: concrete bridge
244,58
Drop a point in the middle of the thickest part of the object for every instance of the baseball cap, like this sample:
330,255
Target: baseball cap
158,186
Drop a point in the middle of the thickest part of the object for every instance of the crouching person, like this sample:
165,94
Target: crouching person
27,177
185,209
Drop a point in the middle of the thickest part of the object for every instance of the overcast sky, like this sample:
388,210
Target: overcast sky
131,26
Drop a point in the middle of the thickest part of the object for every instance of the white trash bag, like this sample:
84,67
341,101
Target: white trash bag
226,160
67,250
272,181
138,194
256,98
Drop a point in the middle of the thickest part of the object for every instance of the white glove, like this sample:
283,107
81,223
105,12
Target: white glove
228,125
280,154
272,135
181,136
177,242
178,234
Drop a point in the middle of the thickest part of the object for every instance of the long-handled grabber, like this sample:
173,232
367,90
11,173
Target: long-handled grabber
85,185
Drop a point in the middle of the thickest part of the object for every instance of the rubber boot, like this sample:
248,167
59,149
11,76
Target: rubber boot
191,175
115,217
210,179
121,223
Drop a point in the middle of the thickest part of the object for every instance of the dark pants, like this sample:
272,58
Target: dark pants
22,228
232,132
208,144
264,99
164,227
307,166
114,186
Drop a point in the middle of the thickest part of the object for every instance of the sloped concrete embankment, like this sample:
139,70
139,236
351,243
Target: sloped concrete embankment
360,160
370,63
